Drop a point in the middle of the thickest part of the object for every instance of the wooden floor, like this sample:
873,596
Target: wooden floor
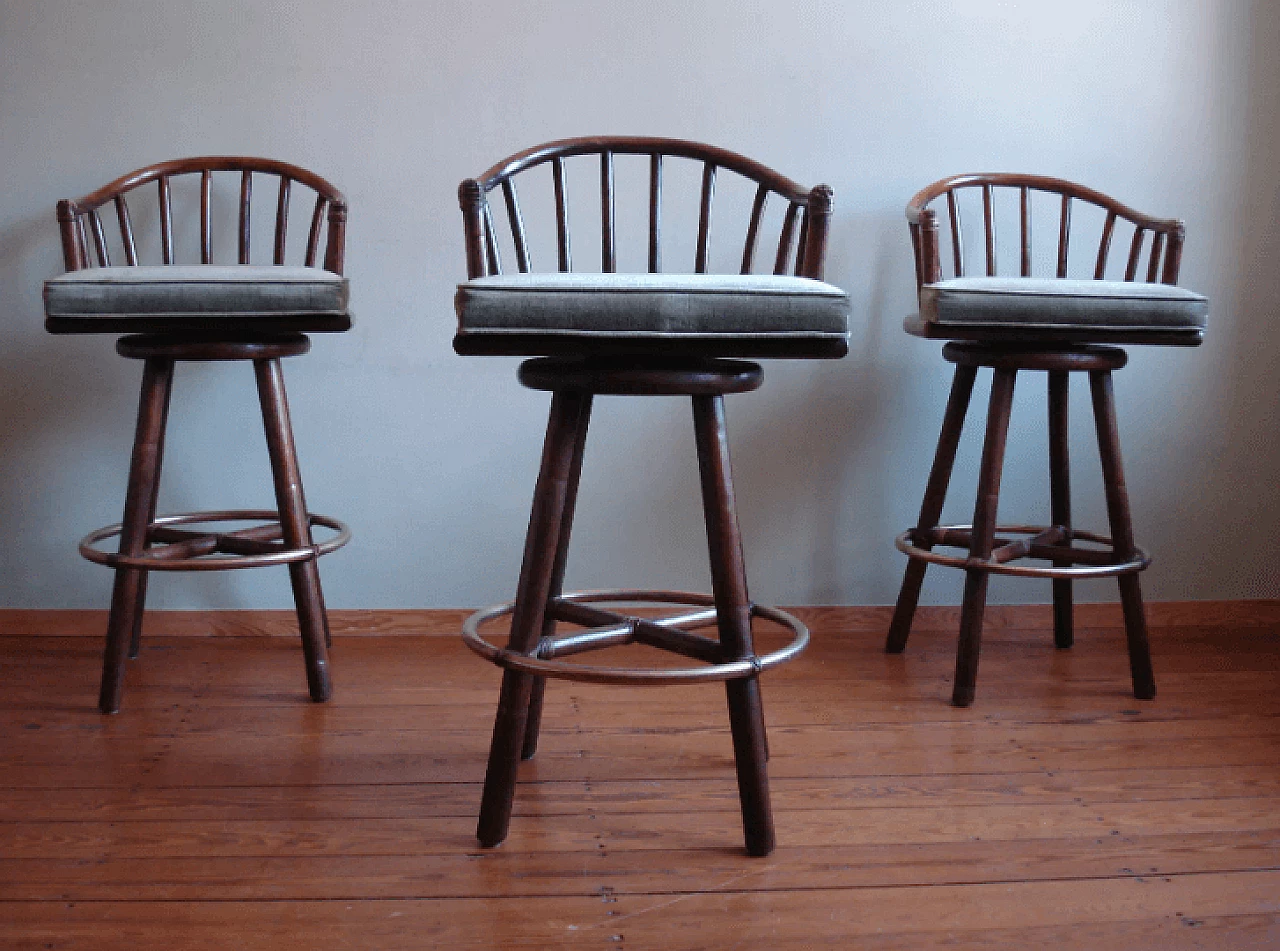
222,810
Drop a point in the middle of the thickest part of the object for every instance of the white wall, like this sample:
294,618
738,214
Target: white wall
1169,105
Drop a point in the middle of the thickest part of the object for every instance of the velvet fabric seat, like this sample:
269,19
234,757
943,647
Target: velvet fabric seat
1069,307
661,314
205,298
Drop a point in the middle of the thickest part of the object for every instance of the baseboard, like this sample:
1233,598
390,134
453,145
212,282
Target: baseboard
448,621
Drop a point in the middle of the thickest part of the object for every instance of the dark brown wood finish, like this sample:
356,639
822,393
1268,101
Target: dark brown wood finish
1008,351
935,494
733,607
573,381
929,262
1060,499
72,214
809,210
1135,620
296,524
984,530
535,588
129,589
1053,544
178,549
530,746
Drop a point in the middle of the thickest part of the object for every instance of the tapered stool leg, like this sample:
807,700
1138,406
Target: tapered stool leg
1060,501
135,639
984,528
296,525
144,475
534,722
1135,621
935,495
536,575
733,607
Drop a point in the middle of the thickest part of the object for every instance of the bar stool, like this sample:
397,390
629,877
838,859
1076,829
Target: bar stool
206,312
1059,326
649,334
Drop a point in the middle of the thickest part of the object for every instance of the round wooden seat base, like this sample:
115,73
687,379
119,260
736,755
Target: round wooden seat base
641,377
607,628
170,548
1051,543
1025,357
199,347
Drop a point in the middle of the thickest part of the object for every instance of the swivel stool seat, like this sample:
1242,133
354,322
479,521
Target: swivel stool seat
173,313
649,334
1054,325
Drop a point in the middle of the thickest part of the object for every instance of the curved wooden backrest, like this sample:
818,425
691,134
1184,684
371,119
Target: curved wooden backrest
1164,255
804,225
79,218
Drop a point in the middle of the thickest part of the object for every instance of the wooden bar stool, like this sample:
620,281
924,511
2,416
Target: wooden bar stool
206,312
1055,325
648,334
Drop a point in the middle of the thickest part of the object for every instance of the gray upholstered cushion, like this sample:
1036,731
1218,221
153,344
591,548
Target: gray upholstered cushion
204,297
666,313
1054,304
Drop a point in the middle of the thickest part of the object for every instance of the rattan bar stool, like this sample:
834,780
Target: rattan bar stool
650,334
217,313
1058,326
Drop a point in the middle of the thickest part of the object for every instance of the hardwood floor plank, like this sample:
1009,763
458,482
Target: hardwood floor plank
220,809
723,919
459,873
136,803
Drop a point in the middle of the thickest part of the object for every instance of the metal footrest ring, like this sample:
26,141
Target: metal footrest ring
187,550
622,629
1042,542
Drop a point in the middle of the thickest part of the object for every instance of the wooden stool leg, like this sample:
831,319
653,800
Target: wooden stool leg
1135,621
303,575
557,573
144,475
540,552
135,638
935,494
1060,500
984,529
729,586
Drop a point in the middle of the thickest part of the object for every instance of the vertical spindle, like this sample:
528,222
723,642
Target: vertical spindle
704,217
516,221
99,240
491,241
1135,252
562,215
753,229
206,226
784,240
313,236
1025,209
1064,235
989,223
1104,246
246,196
282,220
655,213
957,232
1153,266
608,258
126,232
166,221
